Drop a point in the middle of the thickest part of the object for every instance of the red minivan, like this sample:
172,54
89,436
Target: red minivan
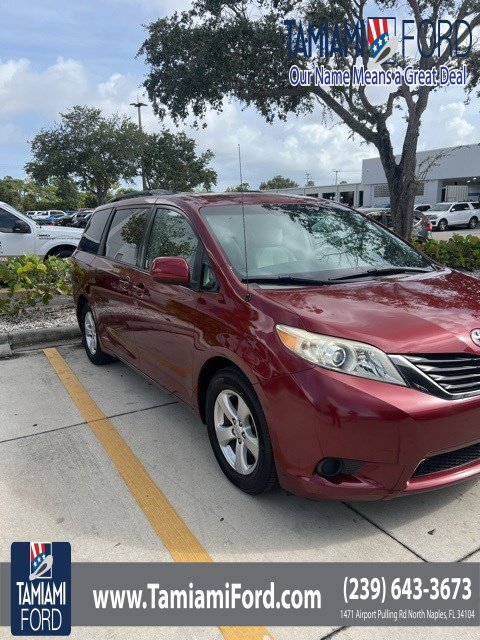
322,351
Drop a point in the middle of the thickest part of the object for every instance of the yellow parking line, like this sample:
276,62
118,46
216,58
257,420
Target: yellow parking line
179,541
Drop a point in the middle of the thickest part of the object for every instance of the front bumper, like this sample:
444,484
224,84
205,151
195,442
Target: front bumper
316,413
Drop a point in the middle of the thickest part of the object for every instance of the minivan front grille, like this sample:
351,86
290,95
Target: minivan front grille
457,374
448,461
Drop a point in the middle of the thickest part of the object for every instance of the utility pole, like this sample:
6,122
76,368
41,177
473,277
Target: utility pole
336,172
308,175
138,105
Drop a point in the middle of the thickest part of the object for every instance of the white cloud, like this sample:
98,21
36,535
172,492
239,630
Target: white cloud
24,89
158,7
456,123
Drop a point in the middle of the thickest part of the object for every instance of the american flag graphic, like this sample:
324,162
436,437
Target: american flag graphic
39,551
377,35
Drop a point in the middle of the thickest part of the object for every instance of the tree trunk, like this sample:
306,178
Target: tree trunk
101,194
402,201
401,179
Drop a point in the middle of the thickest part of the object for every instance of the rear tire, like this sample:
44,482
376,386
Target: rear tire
442,225
62,253
232,407
472,224
90,338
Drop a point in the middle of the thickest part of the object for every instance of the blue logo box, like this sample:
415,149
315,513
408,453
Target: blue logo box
40,587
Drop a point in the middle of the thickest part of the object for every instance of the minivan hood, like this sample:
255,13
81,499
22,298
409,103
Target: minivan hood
420,313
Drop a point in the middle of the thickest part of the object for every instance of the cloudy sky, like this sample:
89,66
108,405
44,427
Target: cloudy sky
55,54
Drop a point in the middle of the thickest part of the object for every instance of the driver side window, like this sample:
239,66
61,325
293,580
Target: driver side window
7,221
171,235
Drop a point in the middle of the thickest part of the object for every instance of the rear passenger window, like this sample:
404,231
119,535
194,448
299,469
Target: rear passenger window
90,241
125,235
171,235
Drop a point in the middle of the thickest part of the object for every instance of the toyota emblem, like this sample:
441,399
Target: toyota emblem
475,335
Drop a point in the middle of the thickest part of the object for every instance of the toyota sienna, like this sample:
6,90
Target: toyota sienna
321,351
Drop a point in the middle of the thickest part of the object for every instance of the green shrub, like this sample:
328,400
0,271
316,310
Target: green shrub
459,252
29,280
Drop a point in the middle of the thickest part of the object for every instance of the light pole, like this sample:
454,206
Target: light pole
138,105
307,180
336,172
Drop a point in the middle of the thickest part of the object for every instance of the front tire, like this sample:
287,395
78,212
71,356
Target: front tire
442,225
472,223
90,339
238,433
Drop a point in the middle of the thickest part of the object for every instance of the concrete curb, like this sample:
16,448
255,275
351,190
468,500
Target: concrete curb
21,339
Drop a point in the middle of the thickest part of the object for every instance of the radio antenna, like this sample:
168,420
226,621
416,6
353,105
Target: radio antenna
248,295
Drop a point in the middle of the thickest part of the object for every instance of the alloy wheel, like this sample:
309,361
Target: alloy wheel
236,432
90,333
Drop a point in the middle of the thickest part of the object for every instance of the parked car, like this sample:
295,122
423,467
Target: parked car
82,222
422,227
454,214
81,215
45,215
64,221
321,351
423,207
19,234
52,218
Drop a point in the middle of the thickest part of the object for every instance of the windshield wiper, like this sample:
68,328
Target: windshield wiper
389,271
284,280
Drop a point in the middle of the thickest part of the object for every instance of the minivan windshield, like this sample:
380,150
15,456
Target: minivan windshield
308,241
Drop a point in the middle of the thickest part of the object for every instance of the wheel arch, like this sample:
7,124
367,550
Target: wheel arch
81,302
59,247
209,368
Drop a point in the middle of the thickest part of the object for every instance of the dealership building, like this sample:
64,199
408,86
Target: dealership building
445,175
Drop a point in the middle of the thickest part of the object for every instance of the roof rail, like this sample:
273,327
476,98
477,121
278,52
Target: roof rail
139,194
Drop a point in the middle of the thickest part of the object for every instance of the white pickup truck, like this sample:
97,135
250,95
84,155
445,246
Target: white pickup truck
19,234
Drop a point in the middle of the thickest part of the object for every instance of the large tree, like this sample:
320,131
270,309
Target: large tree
94,150
227,49
243,186
170,161
278,182
27,195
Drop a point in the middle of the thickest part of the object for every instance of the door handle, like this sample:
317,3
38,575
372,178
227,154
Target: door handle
140,290
124,283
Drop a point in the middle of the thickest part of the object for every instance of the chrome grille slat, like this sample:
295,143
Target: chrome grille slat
440,359
459,387
454,378
445,370
457,374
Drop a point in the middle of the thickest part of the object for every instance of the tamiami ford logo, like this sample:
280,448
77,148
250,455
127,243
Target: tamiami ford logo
384,40
40,589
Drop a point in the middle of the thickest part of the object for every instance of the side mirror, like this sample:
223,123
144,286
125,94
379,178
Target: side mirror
21,227
171,270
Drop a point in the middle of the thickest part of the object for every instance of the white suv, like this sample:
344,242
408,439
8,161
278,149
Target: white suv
20,234
454,214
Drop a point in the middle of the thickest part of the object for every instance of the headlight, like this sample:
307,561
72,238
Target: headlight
338,354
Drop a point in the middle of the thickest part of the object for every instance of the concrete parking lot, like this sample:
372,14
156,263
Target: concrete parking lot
58,482
445,235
